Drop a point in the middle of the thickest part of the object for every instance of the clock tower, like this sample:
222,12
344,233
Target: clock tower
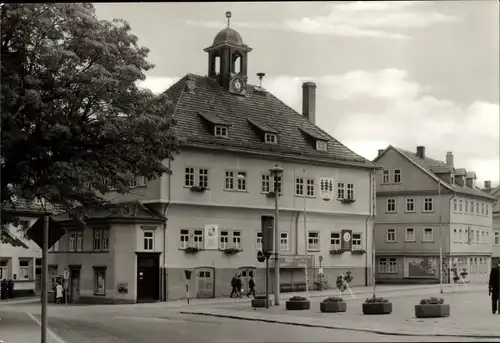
228,60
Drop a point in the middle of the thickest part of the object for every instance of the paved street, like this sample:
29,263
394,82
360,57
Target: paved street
162,322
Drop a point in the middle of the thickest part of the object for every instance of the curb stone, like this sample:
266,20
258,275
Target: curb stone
332,327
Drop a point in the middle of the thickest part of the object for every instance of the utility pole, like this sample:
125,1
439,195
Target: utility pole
305,235
440,239
45,272
276,172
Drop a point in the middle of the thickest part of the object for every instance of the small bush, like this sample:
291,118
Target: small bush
333,300
376,300
432,301
296,298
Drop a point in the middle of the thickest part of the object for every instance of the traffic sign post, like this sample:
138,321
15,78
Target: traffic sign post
65,283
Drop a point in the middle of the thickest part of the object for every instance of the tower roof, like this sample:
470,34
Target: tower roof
228,35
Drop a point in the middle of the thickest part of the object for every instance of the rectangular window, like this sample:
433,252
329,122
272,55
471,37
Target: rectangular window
4,269
311,191
220,131
242,181
99,281
299,186
184,241
148,238
410,234
101,239
391,235
487,209
482,209
224,240
277,184
203,178
313,241
496,239
386,177
198,239
138,181
477,208
335,241
397,176
357,243
76,241
189,177
340,190
455,205
428,234
25,269
391,205
52,277
428,205
387,265
271,138
259,241
229,184
460,206
350,191
237,239
466,209
284,241
410,205
265,183
321,145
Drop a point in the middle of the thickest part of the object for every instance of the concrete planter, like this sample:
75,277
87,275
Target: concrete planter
377,308
333,307
298,305
260,302
432,310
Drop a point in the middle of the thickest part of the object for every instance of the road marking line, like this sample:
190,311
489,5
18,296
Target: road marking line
49,331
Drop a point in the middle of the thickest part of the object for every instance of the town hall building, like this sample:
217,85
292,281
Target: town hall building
206,215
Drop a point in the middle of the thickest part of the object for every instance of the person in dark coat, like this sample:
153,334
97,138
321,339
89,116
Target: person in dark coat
251,286
234,285
494,287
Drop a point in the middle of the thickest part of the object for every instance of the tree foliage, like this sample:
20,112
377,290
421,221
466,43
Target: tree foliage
73,119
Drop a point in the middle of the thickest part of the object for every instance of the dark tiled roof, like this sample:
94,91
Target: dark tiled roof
130,210
214,119
263,126
428,164
258,106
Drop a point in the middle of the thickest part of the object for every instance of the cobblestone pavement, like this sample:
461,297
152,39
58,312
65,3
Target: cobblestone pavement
470,316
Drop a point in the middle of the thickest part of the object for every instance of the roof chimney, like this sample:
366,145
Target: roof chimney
261,76
487,185
421,151
309,101
449,159
380,151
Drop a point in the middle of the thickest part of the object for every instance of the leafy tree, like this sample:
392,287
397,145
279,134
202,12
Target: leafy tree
74,123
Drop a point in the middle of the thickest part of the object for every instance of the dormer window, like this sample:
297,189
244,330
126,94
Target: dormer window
321,145
271,138
452,180
220,131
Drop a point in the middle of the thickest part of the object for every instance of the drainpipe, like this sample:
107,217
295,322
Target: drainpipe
165,214
370,216
440,240
451,204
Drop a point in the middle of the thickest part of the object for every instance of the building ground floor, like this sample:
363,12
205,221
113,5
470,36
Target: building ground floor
393,269
24,272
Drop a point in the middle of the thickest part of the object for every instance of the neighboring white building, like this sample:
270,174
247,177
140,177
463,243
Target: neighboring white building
20,264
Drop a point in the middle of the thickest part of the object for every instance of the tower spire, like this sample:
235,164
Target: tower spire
228,16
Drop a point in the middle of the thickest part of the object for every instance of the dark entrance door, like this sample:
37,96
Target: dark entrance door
148,277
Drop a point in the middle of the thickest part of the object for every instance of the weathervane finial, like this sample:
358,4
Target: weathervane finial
228,16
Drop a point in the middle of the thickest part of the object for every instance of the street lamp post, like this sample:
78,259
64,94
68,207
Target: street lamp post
276,172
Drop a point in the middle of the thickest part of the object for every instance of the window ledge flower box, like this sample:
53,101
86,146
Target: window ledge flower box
358,252
347,201
270,194
191,250
198,189
336,252
231,251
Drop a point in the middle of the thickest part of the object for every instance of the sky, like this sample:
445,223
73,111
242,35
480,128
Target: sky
399,73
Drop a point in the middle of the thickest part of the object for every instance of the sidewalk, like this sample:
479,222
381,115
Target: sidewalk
470,315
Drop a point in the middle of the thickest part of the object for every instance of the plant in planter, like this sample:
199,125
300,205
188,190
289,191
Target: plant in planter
270,194
198,189
377,305
231,251
297,304
333,305
347,201
191,250
260,301
432,308
336,251
358,252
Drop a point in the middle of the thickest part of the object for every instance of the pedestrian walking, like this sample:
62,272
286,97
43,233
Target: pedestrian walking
494,288
59,293
251,286
234,286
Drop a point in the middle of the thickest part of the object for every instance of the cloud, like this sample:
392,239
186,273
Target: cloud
353,19
157,84
370,109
